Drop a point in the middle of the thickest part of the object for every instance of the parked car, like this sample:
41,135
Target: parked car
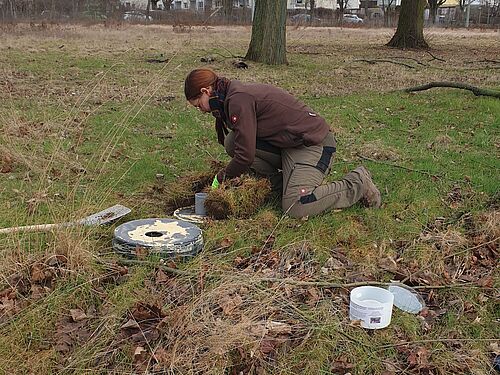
352,18
303,18
136,16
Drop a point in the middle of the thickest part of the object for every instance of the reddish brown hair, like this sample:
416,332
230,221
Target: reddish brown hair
196,80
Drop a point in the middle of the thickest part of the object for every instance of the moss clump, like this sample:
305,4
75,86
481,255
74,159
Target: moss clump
239,198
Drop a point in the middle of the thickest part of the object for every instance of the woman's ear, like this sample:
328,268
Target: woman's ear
206,90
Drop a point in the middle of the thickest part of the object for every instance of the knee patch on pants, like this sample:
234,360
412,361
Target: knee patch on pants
309,198
326,158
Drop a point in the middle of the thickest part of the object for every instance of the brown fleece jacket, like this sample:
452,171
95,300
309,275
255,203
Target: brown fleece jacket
270,114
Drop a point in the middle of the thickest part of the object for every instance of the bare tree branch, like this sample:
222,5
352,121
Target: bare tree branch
476,90
374,61
434,57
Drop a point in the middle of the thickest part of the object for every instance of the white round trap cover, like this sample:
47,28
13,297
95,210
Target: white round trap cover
158,236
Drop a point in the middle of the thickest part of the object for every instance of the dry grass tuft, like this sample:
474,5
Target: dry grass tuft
180,193
235,325
376,150
75,246
444,140
7,161
445,240
239,198
488,224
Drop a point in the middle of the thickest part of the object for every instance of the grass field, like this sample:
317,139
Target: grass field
86,122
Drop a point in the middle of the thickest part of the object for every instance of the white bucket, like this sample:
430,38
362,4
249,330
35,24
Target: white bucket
371,305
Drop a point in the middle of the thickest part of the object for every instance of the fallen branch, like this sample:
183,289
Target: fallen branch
309,53
173,271
409,58
483,61
476,90
404,343
435,58
427,173
325,284
231,55
319,284
374,61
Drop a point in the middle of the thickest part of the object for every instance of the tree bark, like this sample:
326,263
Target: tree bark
208,6
433,8
342,5
432,11
410,31
227,6
476,90
167,4
268,43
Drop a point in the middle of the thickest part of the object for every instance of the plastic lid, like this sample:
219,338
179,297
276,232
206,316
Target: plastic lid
406,298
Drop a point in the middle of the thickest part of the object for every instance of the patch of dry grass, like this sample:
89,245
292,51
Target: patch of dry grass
376,150
239,198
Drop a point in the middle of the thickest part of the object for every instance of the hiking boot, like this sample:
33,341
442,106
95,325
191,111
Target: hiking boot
371,196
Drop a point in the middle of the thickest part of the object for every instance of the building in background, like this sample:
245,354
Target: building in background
325,4
201,5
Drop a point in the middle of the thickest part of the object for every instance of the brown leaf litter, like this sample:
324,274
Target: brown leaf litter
295,260
73,330
141,329
341,366
7,162
24,287
458,195
230,325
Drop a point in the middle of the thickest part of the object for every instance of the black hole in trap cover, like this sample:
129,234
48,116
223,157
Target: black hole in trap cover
154,234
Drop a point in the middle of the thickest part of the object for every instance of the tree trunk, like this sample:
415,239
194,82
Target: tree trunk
227,8
268,43
208,6
342,5
167,4
433,8
410,31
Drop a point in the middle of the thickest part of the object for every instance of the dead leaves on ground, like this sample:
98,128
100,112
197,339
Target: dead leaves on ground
25,287
229,303
141,329
341,366
221,324
73,330
141,326
417,359
7,162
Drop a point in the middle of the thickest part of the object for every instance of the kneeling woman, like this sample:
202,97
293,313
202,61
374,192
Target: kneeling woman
266,130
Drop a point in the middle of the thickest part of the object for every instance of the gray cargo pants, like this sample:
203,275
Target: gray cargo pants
298,173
